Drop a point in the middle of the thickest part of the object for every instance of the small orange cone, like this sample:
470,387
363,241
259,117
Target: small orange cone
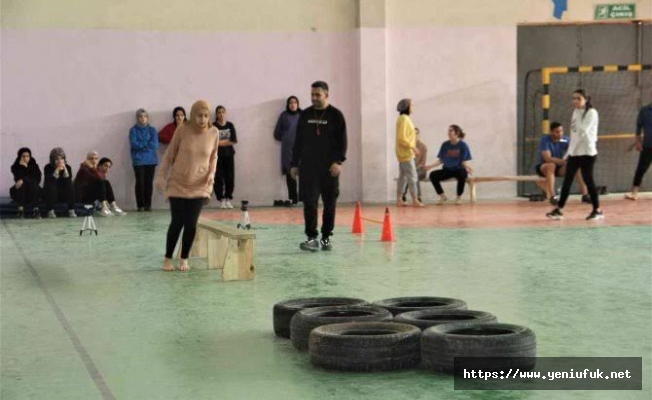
388,230
358,226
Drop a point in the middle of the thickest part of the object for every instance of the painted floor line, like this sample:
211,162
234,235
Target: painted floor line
95,374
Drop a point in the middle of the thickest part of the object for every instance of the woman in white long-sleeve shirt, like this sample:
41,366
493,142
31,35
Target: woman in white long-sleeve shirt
581,154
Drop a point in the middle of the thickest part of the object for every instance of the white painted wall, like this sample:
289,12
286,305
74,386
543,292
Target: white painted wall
79,90
464,76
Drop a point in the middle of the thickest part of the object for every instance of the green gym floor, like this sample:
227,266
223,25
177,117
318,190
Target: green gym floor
95,317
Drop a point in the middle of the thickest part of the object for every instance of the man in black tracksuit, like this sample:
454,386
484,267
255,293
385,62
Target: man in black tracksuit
319,151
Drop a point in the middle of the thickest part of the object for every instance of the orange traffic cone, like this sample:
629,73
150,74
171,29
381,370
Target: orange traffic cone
358,226
388,230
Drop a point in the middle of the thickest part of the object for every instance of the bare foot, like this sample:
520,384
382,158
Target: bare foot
183,265
631,196
417,203
167,265
442,200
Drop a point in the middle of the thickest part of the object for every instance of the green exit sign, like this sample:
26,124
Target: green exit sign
615,11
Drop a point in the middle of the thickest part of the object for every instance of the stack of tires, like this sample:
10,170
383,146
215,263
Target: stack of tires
349,334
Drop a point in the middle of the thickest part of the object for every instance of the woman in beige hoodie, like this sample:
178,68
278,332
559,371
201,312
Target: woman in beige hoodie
191,159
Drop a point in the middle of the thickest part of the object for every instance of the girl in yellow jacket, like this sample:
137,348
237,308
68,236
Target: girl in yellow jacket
406,150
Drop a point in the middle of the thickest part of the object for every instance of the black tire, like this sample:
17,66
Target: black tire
441,344
285,310
400,305
424,319
365,346
308,319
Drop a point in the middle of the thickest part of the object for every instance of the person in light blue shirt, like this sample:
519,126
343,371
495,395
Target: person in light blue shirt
551,163
144,142
454,155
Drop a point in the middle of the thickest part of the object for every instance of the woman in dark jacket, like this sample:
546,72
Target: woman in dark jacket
27,177
286,132
58,187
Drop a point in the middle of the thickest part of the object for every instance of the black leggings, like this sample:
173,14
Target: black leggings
100,190
224,178
185,213
443,174
144,185
584,164
61,191
644,161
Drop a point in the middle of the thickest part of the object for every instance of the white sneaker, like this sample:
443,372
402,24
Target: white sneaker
71,214
51,214
228,204
223,204
116,210
442,199
105,212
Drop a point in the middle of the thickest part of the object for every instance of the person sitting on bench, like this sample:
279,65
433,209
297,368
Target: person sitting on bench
454,155
551,163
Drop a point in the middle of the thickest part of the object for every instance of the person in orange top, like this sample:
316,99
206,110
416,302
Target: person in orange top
191,160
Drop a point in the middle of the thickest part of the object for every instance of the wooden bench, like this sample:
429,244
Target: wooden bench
228,249
474,180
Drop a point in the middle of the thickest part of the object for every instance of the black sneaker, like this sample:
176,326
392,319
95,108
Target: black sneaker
326,244
586,199
312,244
554,200
36,214
595,214
555,214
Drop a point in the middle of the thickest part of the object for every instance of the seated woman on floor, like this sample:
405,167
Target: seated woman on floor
91,185
57,186
26,191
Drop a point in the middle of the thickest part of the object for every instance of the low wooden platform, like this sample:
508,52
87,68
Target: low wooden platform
228,249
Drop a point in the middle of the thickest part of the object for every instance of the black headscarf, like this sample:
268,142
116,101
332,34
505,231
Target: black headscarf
287,105
22,150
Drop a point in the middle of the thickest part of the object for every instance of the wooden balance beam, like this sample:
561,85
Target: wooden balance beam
228,249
